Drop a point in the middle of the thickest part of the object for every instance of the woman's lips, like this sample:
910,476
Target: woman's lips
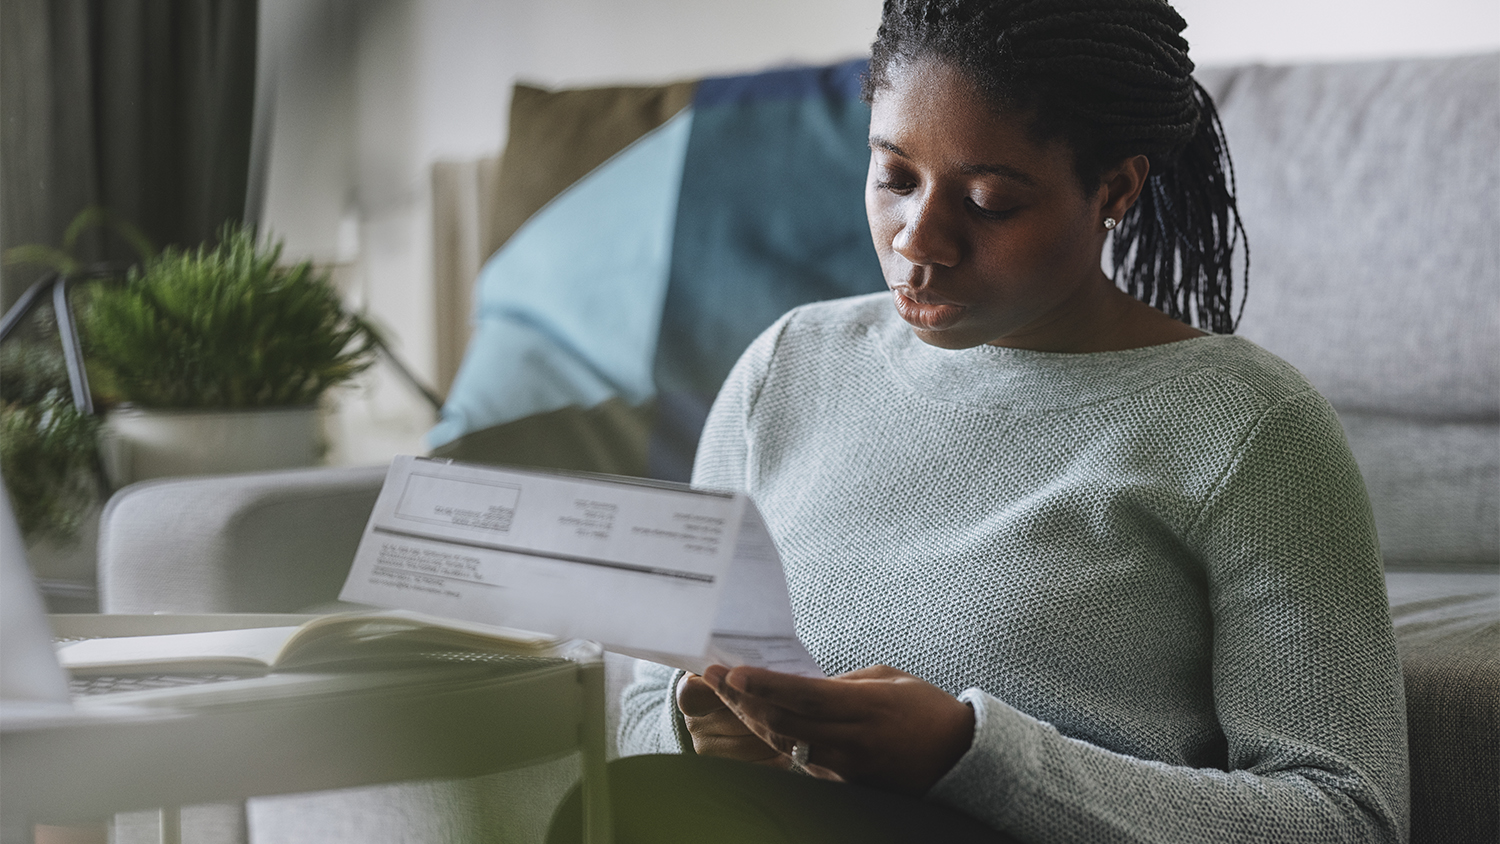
933,316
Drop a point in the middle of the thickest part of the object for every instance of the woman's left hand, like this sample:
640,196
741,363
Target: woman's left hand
876,726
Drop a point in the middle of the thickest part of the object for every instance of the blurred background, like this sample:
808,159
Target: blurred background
327,124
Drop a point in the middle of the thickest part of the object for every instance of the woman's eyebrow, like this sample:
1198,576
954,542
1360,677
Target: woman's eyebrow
877,142
1001,170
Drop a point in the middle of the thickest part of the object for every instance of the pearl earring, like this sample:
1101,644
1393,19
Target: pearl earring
1110,222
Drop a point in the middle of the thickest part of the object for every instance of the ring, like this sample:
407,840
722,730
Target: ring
800,751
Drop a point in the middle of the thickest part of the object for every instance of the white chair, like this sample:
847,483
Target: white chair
261,542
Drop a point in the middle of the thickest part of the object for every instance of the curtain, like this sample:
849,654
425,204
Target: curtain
144,107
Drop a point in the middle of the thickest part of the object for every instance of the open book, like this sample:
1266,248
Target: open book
375,638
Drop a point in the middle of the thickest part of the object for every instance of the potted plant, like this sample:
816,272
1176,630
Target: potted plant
213,360
49,447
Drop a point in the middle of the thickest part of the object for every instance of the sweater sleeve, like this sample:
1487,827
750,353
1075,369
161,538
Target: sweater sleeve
724,446
649,722
649,719
1306,681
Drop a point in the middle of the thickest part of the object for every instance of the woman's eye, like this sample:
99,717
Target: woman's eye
896,186
989,211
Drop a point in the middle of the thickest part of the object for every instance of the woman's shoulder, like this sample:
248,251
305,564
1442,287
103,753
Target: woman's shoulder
1222,388
1251,407
1264,378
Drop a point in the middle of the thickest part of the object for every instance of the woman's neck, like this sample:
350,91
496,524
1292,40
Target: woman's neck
1104,319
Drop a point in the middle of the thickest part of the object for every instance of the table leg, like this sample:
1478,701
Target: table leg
171,825
597,828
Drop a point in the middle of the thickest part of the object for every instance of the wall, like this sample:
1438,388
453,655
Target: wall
369,93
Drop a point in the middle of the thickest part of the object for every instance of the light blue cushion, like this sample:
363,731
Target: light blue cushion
569,309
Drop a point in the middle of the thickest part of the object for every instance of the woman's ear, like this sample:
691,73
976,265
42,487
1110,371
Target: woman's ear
1122,185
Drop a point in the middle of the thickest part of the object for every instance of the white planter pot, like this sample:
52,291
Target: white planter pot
141,444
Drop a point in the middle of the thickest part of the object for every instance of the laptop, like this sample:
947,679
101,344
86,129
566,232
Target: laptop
29,671
35,691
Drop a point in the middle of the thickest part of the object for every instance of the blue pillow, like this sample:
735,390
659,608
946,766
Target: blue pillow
644,281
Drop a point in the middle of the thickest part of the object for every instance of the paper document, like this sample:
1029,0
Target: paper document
680,576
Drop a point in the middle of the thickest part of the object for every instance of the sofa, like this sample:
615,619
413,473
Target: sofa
641,236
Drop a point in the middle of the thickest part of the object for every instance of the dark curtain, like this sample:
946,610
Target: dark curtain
144,107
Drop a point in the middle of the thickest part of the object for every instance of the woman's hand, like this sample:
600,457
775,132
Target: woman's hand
717,731
876,726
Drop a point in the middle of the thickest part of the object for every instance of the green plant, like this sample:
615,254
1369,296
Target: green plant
222,327
48,451
30,371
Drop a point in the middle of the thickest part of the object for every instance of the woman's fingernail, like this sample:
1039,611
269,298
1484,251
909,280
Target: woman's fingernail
714,675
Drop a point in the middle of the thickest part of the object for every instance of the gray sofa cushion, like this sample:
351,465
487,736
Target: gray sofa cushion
1435,487
1368,191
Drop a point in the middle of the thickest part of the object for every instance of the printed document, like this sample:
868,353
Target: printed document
680,576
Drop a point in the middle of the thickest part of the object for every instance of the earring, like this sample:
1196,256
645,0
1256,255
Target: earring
1110,222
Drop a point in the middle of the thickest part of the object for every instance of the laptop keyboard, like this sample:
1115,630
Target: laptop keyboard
112,683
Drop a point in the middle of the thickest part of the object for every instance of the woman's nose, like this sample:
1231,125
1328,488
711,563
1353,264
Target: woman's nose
925,236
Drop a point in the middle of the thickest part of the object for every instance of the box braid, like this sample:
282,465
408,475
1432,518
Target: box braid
1113,79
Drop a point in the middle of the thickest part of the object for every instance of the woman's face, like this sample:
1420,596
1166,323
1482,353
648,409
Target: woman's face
984,234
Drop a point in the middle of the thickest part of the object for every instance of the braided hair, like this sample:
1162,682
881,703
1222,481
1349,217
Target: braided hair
1112,78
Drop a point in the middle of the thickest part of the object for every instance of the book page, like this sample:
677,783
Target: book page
395,635
221,651
365,637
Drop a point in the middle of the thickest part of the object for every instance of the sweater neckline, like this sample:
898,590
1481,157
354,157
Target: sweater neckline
994,377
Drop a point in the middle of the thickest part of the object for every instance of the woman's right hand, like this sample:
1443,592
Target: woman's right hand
717,731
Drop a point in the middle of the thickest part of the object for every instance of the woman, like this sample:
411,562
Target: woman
1077,570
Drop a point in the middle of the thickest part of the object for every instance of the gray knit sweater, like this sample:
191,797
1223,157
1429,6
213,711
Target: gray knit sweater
1152,573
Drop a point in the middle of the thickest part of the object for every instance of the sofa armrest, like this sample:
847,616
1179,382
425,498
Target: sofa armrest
1448,634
